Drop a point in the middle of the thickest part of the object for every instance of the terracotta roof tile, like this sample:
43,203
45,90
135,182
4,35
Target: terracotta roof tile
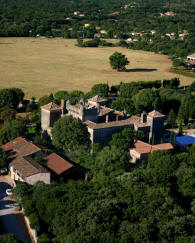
27,166
57,163
13,143
51,107
145,148
21,146
164,146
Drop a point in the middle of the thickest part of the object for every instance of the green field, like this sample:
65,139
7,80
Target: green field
42,66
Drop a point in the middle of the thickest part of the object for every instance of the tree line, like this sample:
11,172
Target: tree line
116,18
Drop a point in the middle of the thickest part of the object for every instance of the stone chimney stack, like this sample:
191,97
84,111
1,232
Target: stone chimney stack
116,117
107,118
62,106
143,117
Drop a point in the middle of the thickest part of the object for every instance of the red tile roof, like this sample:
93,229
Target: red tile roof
57,163
21,146
12,143
51,107
145,148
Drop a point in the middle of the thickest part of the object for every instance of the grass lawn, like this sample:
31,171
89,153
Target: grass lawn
42,66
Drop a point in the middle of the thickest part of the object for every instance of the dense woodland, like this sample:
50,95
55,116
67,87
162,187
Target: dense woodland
120,202
172,21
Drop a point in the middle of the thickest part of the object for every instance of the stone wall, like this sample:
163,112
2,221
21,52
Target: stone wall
45,119
103,135
45,177
32,232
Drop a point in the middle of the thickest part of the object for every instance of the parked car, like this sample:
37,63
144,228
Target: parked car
16,206
9,192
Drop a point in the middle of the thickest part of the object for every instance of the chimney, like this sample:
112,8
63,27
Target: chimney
62,106
116,117
62,103
107,118
143,117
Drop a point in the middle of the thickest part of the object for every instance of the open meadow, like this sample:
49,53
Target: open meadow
40,66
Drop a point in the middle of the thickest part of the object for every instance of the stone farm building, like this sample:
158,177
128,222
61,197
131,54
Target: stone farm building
23,167
142,150
102,121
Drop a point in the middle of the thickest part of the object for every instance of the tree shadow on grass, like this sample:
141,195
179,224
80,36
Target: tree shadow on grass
141,70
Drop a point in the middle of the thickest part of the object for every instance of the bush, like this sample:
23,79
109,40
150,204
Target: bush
44,238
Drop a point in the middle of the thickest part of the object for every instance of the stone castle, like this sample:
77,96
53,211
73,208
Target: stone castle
102,121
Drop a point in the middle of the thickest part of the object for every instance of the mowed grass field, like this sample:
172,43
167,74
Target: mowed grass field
42,66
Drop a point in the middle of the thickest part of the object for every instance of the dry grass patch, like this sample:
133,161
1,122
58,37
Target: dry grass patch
41,66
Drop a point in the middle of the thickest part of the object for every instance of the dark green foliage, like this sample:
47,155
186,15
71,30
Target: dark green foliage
192,86
146,100
99,89
171,121
172,83
75,96
21,190
32,105
125,139
183,113
122,104
93,43
68,133
8,238
45,100
118,61
44,238
11,130
119,204
3,159
8,115
11,97
127,90
61,94
34,221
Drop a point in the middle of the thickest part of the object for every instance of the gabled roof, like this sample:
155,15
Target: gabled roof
26,166
57,164
51,107
13,143
21,146
155,113
145,148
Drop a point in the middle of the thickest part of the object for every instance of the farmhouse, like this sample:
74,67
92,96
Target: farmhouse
142,150
23,167
191,58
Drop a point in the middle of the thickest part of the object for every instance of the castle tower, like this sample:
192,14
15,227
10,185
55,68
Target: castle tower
156,120
50,113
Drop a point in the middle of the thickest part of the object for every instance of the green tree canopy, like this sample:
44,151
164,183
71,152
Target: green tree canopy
3,159
11,130
146,99
118,61
11,97
68,132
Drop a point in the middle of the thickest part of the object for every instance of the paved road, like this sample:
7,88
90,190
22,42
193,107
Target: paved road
12,219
